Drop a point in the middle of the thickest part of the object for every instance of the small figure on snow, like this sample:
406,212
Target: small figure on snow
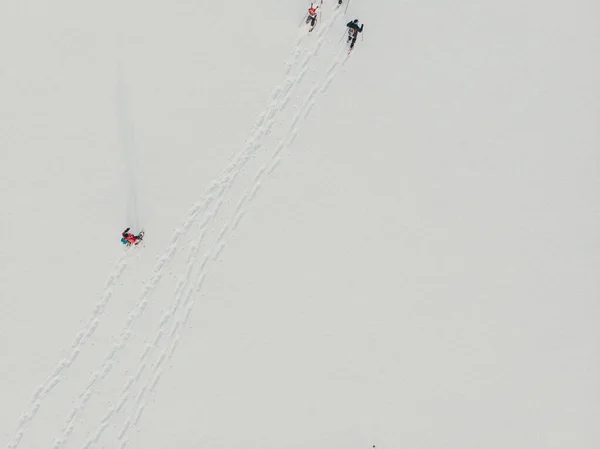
312,15
353,30
131,239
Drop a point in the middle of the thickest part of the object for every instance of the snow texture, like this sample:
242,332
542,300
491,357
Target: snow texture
394,248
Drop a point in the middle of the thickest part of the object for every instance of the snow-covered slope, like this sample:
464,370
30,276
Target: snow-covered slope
395,248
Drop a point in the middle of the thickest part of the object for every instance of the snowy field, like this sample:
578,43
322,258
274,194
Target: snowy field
399,247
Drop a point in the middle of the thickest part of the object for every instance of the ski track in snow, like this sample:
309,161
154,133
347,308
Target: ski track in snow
167,348
183,295
82,337
280,98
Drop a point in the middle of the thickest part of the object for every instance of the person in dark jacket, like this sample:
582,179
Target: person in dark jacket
353,30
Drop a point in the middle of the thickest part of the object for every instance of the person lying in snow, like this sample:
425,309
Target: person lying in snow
131,239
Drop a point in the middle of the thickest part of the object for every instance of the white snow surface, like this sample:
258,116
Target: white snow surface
398,248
